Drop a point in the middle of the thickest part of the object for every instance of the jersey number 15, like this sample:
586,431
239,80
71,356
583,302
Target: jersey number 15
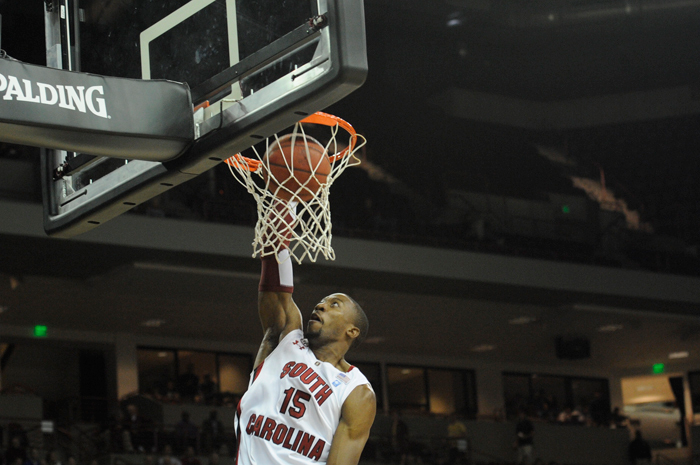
298,400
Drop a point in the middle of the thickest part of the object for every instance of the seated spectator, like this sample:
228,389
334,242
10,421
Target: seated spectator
185,433
167,457
15,451
212,433
190,458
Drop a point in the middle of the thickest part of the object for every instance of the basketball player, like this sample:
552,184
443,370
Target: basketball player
305,404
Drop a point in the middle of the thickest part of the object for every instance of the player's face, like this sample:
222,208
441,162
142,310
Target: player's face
331,317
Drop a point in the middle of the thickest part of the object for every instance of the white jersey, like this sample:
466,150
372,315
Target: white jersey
292,407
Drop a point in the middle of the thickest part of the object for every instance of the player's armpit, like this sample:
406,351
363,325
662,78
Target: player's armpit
353,430
278,315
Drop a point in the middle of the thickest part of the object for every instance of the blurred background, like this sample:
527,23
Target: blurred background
523,233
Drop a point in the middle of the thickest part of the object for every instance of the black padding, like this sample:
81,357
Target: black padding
106,116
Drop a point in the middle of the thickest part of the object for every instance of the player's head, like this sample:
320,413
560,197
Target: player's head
337,317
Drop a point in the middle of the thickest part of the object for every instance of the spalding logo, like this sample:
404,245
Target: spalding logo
76,98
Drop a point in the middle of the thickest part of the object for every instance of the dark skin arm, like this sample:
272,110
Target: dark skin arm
353,430
279,316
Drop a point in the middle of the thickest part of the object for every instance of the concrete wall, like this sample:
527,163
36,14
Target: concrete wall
494,441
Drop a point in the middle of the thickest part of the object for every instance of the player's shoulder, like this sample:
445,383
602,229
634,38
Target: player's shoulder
292,341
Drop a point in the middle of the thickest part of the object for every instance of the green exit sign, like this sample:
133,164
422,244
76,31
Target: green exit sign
40,331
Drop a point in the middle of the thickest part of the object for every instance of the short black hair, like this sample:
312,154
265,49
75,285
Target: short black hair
360,320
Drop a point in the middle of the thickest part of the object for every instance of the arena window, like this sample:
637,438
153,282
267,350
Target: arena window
548,396
187,376
431,390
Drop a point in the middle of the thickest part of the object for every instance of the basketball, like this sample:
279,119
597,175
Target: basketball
296,172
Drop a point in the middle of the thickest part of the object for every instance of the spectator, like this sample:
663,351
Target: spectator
639,450
167,457
136,431
212,433
399,438
188,384
53,457
208,389
171,394
457,438
564,417
618,420
15,451
524,438
600,410
190,458
185,433
34,457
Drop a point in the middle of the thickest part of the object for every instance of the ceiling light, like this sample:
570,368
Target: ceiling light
610,328
154,323
483,348
681,354
522,320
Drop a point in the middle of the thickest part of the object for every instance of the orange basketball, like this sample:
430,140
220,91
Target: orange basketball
299,172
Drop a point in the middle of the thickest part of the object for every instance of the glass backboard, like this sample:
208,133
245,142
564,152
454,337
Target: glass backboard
255,67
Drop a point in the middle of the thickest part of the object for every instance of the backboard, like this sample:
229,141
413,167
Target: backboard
255,67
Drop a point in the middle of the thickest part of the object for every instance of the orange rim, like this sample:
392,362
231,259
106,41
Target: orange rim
240,162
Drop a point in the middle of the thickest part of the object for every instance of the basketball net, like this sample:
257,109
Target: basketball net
302,226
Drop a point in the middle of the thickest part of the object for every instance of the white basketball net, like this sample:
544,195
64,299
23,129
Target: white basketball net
302,226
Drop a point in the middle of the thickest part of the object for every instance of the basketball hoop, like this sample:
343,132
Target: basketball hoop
293,208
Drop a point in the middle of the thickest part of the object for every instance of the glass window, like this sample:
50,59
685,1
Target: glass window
407,388
435,390
516,392
586,391
446,391
193,376
549,389
234,373
201,363
544,396
156,367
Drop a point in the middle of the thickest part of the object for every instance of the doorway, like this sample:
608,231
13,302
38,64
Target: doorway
655,405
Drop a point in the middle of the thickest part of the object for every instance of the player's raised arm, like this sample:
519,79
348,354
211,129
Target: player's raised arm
354,427
278,313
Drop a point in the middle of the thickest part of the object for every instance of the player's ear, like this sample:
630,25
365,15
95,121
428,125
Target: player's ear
353,332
